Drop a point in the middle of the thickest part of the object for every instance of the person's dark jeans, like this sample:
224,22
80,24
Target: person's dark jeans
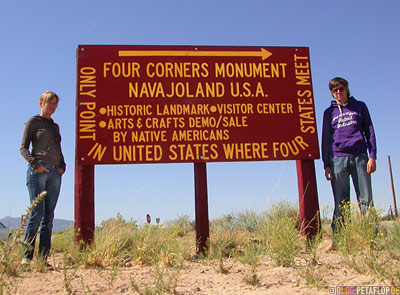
43,214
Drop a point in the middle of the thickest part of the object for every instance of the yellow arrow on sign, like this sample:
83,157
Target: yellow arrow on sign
264,54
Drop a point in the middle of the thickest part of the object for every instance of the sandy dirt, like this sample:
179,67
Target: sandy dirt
200,277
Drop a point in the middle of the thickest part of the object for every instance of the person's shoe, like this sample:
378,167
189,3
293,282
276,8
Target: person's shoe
332,247
48,266
26,262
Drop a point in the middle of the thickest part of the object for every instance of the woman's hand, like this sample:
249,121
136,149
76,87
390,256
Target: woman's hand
41,169
328,174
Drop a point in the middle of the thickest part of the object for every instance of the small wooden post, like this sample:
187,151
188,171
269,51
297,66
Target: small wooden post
308,198
84,204
393,191
201,207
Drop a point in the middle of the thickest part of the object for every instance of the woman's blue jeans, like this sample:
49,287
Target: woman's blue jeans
43,214
356,167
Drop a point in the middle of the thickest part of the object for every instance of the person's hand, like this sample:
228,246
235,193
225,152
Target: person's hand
41,169
328,174
371,165
61,171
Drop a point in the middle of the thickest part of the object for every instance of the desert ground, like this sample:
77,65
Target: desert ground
201,277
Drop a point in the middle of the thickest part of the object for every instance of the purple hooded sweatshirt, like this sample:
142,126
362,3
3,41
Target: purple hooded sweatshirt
347,130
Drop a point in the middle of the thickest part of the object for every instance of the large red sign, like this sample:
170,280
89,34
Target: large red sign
169,104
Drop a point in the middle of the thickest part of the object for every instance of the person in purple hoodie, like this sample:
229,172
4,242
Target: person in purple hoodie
347,136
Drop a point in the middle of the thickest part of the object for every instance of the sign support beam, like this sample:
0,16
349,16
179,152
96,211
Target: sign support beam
84,204
201,207
308,198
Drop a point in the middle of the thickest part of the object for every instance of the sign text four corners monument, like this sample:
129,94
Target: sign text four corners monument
193,104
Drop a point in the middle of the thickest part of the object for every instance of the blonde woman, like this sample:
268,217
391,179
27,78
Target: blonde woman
45,170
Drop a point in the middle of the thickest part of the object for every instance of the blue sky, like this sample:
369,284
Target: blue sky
357,40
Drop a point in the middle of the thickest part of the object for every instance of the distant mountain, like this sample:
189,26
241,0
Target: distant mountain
58,224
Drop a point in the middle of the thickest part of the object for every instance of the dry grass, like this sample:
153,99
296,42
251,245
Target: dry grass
247,239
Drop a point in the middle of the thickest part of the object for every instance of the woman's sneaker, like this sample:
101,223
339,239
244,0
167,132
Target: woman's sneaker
26,262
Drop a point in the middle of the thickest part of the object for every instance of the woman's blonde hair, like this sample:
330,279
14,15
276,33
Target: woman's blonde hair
47,96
